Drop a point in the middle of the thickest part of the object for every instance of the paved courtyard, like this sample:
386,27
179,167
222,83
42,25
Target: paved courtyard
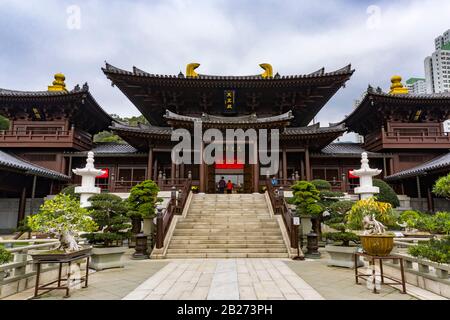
224,279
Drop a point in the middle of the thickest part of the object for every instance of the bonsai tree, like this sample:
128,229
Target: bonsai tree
337,221
442,187
70,191
387,194
410,220
306,199
143,198
63,217
321,184
110,214
369,214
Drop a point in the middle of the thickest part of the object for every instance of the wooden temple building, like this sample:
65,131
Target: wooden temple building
52,131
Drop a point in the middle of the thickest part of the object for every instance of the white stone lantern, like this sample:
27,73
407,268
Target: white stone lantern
366,188
88,174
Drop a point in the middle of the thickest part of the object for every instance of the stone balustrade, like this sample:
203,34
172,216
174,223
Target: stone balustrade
19,274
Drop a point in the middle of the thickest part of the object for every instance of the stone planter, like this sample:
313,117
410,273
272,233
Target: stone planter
107,257
377,244
147,227
342,256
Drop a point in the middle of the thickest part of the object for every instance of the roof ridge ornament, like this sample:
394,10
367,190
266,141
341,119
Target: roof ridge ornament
58,84
397,86
268,70
190,70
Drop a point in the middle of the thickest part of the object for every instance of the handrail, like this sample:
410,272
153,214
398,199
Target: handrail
175,206
280,206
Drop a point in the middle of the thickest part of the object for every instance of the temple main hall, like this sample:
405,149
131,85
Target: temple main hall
51,131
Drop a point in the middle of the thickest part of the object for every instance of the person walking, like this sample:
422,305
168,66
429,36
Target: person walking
229,187
222,184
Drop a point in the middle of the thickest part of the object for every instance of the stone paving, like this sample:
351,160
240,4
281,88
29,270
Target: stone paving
225,279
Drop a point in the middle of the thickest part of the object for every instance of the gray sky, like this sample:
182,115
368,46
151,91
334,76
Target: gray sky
41,37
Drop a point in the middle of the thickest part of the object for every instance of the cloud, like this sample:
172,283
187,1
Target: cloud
226,37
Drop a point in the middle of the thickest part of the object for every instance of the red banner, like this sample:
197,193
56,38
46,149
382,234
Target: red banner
105,174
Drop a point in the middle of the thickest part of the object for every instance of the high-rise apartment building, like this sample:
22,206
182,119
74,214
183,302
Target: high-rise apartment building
437,66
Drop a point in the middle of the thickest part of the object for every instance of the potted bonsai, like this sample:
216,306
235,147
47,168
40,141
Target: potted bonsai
369,215
63,217
342,247
109,212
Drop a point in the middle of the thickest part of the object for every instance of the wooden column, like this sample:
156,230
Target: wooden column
150,164
202,169
155,169
302,168
285,176
256,171
419,192
430,200
33,193
22,205
173,171
307,164
385,173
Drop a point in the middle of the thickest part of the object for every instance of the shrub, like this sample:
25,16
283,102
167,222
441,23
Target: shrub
5,256
382,211
143,198
387,194
321,184
434,250
109,213
337,221
410,218
441,223
442,187
306,198
70,191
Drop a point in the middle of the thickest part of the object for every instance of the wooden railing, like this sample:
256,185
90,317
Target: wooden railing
280,206
396,139
17,138
164,216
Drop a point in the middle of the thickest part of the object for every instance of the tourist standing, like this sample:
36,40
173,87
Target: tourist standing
222,185
229,187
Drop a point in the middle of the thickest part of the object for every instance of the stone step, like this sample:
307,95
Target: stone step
241,237
226,246
225,255
177,241
228,250
227,232
216,225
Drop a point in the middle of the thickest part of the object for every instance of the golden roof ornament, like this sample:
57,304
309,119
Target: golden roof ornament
58,84
268,70
397,86
190,70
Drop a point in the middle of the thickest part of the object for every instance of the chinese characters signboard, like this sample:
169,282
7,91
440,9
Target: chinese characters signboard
229,101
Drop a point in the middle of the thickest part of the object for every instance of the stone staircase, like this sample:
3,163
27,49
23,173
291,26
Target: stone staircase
227,226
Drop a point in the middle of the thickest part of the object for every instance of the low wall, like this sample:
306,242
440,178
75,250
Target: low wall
9,208
421,204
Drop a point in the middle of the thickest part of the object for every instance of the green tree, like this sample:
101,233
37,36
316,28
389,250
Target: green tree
107,136
143,198
5,256
4,123
109,213
64,217
306,198
442,187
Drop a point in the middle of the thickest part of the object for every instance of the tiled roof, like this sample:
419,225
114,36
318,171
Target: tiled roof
147,128
138,72
247,119
440,162
13,162
314,129
106,148
18,93
348,149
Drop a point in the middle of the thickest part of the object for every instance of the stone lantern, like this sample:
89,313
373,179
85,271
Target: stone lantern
88,174
366,188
